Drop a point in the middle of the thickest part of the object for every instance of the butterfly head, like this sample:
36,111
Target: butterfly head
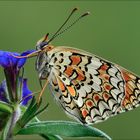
42,43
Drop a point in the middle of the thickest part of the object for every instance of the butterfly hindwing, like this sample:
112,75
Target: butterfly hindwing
62,96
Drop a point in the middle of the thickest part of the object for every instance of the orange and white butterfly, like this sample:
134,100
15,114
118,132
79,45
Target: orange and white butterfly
87,87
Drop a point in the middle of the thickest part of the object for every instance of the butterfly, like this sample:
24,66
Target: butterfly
88,88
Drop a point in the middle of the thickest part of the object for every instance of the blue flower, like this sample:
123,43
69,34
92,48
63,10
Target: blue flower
9,89
3,93
7,59
26,93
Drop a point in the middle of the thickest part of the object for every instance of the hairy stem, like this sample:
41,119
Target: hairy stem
8,132
12,123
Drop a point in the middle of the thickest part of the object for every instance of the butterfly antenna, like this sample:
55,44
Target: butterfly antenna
67,19
83,15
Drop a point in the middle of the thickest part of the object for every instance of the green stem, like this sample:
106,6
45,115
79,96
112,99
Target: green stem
8,131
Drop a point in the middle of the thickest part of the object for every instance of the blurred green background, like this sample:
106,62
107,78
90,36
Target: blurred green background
112,31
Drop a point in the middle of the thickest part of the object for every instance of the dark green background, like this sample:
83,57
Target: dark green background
112,31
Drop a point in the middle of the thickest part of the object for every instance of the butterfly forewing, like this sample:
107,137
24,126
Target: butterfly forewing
90,88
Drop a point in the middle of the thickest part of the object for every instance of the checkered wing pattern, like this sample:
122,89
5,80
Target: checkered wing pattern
90,88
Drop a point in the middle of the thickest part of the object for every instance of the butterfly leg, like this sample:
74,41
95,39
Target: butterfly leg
42,91
31,94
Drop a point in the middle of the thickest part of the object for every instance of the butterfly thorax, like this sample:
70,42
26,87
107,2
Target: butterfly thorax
42,61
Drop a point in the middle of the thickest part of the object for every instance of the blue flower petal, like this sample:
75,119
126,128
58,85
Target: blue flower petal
7,60
27,52
21,61
3,92
25,92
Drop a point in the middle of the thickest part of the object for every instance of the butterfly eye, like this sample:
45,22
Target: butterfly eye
41,45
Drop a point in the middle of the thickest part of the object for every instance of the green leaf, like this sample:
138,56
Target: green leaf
3,120
41,110
51,137
4,107
63,128
6,133
28,113
47,137
5,111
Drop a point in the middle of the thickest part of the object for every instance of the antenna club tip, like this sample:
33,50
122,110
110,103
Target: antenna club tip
75,9
86,14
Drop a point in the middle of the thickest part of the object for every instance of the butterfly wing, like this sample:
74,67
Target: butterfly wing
62,96
91,88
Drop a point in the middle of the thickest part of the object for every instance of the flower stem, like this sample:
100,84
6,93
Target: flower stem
8,131
12,123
